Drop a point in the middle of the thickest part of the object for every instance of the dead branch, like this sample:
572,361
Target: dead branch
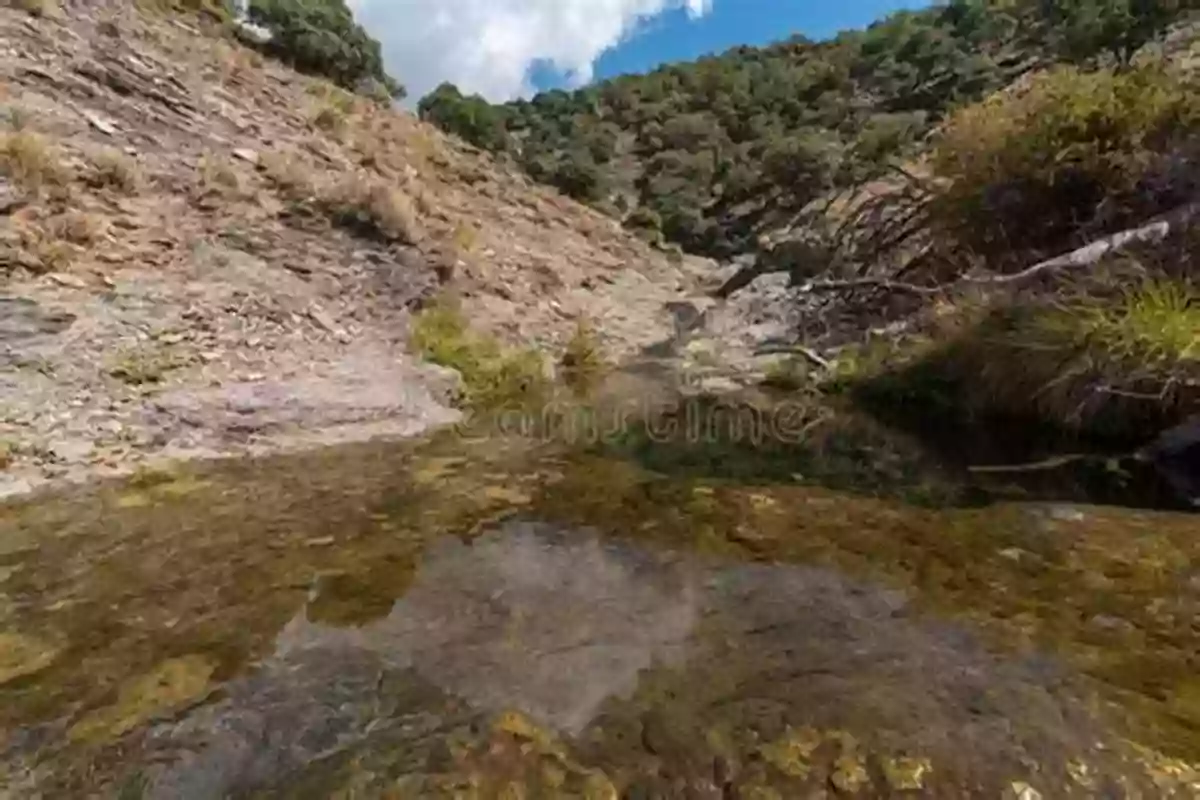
1151,233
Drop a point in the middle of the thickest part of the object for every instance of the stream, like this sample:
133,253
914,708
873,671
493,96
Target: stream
776,600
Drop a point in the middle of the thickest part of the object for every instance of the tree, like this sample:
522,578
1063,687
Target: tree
1087,28
470,118
322,38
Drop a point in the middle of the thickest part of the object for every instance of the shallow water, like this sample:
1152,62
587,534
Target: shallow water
648,616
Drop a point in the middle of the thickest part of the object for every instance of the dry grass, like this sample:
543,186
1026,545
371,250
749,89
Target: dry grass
74,227
1124,364
290,174
115,170
31,162
370,207
583,364
218,179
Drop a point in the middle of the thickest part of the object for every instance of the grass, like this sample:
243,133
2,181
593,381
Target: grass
31,162
583,364
113,169
144,366
371,208
289,174
1123,365
216,177
494,377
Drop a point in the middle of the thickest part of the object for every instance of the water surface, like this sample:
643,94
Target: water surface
506,616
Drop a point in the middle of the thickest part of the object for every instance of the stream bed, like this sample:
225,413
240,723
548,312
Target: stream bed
827,609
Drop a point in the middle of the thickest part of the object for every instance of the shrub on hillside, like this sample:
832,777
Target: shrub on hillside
1120,362
1070,153
322,38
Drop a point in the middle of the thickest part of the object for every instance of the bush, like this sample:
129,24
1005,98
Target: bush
493,377
1072,152
322,38
1124,364
31,162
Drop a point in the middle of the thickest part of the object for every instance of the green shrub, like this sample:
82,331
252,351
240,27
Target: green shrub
322,38
1024,170
1123,365
494,377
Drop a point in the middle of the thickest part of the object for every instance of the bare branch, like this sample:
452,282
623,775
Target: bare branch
1086,256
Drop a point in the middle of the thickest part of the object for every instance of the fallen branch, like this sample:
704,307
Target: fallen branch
1086,256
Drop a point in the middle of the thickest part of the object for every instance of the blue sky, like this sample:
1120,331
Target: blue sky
673,36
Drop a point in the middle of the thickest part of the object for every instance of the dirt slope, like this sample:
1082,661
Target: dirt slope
202,251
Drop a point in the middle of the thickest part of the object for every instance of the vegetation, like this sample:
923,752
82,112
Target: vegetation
31,162
494,378
1120,363
322,38
1024,173
728,146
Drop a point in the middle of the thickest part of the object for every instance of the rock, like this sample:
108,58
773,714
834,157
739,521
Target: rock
72,281
22,318
99,123
246,154
24,655
1176,456
71,451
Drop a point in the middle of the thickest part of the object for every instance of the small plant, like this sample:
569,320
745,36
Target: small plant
463,239
31,162
289,174
113,169
493,377
329,119
582,363
144,366
374,209
75,227
217,178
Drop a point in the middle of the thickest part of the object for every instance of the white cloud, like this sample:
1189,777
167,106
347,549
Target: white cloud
489,46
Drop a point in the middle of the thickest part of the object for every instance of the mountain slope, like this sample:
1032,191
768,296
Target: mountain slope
203,251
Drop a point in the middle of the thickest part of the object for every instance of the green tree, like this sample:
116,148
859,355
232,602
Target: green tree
1086,28
322,38
471,118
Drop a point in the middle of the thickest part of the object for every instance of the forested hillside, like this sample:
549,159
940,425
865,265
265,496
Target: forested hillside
710,153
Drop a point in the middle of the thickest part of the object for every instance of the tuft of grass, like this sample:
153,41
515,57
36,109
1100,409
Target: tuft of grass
329,119
113,169
1122,366
144,366
74,227
374,209
217,178
493,376
583,364
289,174
31,162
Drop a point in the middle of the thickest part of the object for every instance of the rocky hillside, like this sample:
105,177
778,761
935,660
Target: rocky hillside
203,251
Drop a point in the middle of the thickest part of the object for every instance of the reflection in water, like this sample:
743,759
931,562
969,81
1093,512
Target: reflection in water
569,629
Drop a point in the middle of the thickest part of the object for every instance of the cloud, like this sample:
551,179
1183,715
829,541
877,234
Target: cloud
489,46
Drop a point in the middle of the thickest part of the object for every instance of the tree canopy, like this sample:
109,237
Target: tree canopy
322,38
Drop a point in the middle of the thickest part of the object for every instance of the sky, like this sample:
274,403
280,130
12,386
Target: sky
505,49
